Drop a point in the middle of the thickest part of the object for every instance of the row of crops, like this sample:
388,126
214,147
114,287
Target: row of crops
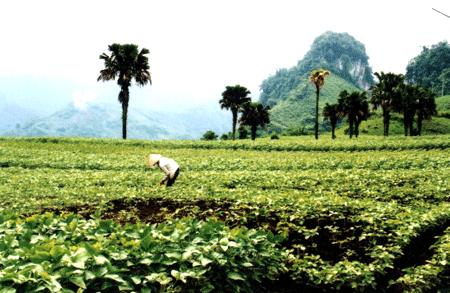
366,215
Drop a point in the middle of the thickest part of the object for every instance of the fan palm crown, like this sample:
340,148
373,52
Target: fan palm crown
254,115
232,99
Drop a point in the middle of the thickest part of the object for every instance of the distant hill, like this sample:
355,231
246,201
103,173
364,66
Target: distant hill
11,114
291,95
104,120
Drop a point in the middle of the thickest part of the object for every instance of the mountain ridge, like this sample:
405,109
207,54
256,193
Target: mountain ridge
292,97
103,120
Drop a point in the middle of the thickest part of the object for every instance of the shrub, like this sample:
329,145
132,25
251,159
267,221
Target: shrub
209,135
242,132
296,131
274,135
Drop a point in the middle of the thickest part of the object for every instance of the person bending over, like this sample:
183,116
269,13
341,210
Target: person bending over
168,166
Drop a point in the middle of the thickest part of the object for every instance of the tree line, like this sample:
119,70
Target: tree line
254,114
392,94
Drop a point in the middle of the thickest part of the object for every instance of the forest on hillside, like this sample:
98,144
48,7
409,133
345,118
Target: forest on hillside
291,96
335,52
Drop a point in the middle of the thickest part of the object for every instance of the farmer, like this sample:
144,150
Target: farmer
168,166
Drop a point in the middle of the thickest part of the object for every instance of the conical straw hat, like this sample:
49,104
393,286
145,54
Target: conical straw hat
152,160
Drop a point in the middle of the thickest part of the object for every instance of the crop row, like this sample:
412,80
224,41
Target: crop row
347,218
67,254
215,160
285,144
33,187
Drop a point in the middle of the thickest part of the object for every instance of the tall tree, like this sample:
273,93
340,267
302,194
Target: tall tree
331,112
355,107
126,63
254,115
445,79
426,106
383,93
406,104
232,99
426,68
318,78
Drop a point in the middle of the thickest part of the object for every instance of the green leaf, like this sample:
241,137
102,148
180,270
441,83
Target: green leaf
99,271
81,255
145,242
57,252
136,280
89,275
176,274
173,255
40,256
100,260
235,276
8,290
79,281
114,277
205,261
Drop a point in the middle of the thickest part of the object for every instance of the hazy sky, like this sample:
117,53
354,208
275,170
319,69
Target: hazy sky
199,47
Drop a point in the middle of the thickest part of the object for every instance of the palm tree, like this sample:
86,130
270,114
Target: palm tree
126,63
318,78
331,112
254,115
426,106
383,93
406,103
355,107
232,98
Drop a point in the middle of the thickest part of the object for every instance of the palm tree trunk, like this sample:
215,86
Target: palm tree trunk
253,128
124,120
386,117
125,100
419,123
350,122
357,128
411,124
405,123
333,127
316,127
234,111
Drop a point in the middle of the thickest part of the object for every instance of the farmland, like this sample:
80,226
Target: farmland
365,215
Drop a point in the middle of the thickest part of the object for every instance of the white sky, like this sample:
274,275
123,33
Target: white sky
197,48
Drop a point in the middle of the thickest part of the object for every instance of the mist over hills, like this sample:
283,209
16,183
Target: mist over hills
103,120
60,106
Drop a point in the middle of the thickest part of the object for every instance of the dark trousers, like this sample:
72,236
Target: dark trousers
171,181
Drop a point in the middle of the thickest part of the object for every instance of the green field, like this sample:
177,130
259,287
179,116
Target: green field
293,215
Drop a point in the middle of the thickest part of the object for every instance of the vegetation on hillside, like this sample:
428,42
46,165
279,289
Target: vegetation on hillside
298,110
413,95
392,95
289,93
430,68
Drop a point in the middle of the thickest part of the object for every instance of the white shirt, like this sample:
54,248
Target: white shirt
168,166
